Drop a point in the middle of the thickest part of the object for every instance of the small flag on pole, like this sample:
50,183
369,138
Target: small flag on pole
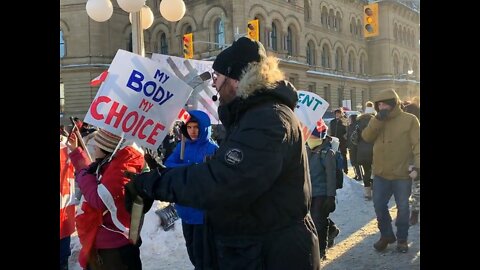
184,116
99,79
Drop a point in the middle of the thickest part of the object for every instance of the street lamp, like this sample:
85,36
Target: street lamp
141,16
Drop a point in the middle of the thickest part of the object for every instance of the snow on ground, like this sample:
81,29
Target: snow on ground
353,247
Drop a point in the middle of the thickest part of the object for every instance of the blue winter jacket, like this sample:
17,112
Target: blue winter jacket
195,152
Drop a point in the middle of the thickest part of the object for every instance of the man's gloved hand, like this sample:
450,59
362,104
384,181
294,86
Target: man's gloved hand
414,173
382,114
130,196
152,162
330,204
138,186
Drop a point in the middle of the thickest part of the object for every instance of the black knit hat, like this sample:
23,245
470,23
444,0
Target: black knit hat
233,60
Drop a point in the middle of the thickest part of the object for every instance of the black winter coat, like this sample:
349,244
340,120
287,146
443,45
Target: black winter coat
256,190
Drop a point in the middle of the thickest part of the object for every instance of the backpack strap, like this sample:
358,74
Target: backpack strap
323,154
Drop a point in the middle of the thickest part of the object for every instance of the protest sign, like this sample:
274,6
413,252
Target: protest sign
201,98
139,99
309,110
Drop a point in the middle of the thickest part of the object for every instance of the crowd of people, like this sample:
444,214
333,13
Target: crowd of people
253,195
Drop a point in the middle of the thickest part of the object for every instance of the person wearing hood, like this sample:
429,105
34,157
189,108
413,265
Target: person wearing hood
198,147
395,135
256,190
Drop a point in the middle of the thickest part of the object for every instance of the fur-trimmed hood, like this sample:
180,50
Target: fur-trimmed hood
266,77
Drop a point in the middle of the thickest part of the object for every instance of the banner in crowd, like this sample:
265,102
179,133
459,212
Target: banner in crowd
140,98
310,109
201,98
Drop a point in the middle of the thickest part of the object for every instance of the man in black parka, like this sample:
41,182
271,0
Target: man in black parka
256,190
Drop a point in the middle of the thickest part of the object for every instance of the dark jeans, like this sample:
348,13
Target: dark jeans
383,190
320,217
122,258
367,175
196,246
65,252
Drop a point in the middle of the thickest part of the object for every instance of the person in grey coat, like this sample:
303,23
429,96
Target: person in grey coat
321,160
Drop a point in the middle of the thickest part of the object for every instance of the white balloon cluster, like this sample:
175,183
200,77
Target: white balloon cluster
102,10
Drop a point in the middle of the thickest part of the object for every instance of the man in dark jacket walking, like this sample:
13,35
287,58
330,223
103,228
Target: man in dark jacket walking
339,129
256,190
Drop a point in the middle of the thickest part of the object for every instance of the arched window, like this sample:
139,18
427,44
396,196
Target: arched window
324,16
62,45
289,41
362,64
130,43
219,33
163,44
395,65
405,66
330,19
273,37
415,69
338,22
339,59
325,56
359,31
411,39
351,62
395,32
308,15
311,53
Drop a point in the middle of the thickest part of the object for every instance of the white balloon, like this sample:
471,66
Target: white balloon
99,10
172,10
131,5
147,17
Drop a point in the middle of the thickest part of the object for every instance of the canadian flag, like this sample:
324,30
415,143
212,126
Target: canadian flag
99,79
183,116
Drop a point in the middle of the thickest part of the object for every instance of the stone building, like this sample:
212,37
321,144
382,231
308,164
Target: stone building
320,44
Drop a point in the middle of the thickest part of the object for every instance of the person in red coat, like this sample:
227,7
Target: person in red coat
102,220
67,205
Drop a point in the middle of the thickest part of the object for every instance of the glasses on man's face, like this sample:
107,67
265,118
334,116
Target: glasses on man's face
214,76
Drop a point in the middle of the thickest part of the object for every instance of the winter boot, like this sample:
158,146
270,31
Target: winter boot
331,236
367,193
414,217
323,255
402,246
382,244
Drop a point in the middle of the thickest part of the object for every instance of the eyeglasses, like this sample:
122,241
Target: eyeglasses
214,76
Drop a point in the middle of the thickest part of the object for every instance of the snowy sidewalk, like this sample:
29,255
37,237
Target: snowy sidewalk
353,248
358,232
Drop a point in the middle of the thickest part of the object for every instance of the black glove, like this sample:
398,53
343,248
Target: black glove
138,187
382,114
131,194
152,162
329,204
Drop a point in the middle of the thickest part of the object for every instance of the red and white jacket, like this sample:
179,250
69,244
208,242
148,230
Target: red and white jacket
67,193
102,219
